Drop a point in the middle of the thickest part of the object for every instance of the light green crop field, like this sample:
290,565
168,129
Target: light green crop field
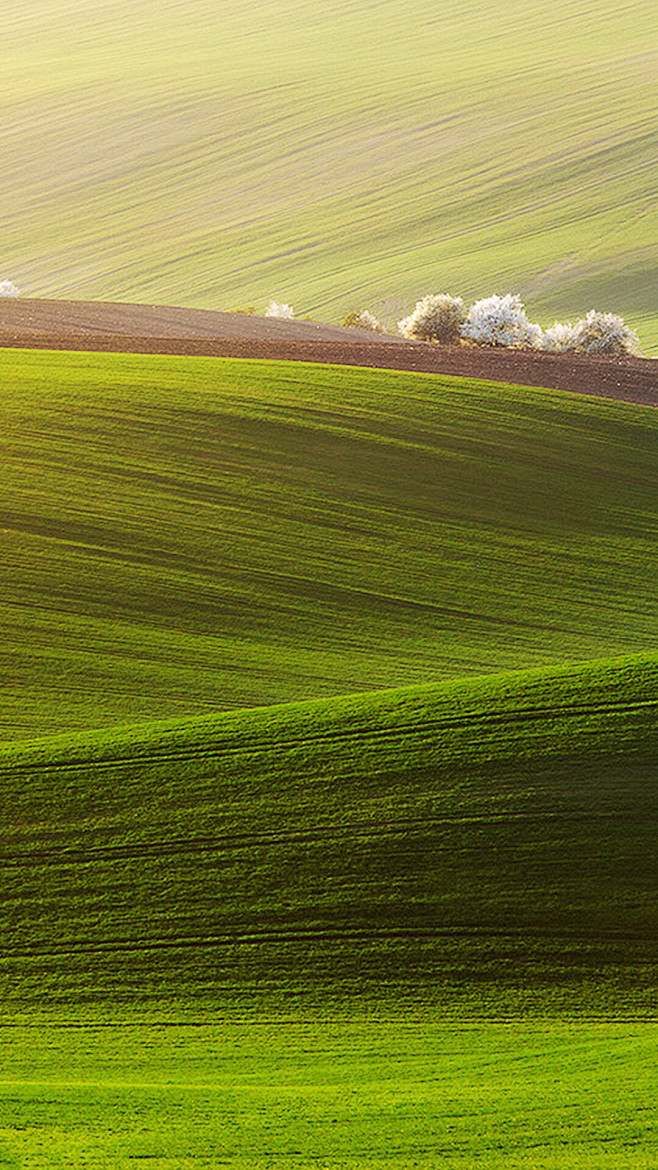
185,535
216,154
297,1094
484,844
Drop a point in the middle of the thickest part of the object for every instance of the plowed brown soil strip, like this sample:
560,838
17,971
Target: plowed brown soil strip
119,328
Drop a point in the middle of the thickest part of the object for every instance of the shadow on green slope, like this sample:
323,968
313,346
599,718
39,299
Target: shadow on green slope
182,536
487,842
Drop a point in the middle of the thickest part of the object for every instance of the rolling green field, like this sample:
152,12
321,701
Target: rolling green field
336,1092
213,154
183,536
469,844
383,930
328,737
328,770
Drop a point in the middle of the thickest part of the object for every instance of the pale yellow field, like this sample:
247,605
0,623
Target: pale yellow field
215,153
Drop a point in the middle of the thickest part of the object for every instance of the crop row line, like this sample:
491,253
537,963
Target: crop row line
55,856
331,934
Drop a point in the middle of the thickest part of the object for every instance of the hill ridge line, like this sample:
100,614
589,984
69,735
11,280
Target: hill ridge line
127,738
116,327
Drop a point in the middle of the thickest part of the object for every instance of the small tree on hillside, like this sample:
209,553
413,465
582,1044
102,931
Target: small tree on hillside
363,319
502,321
8,289
275,309
560,337
437,317
604,334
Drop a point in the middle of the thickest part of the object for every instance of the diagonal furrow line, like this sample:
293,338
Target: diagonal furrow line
177,846
244,938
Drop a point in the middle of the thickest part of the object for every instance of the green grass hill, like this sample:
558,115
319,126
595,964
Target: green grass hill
328,724
478,843
316,850
181,536
214,154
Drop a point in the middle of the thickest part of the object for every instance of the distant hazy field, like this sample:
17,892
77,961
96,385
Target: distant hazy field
215,154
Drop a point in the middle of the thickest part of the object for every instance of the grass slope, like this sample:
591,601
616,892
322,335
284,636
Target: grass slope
481,844
214,154
186,535
347,1092
387,867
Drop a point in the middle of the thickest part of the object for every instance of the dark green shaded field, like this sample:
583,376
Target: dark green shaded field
182,536
484,844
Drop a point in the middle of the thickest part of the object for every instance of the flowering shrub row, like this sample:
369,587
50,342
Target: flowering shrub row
363,319
495,320
498,321
602,333
503,321
276,309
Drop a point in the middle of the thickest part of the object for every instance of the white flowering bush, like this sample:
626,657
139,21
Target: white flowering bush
275,309
8,289
363,319
437,317
501,321
605,334
560,337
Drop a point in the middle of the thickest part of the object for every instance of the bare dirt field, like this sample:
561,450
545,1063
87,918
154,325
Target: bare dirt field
124,328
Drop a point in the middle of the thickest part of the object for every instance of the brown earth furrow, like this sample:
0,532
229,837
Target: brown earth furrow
118,328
